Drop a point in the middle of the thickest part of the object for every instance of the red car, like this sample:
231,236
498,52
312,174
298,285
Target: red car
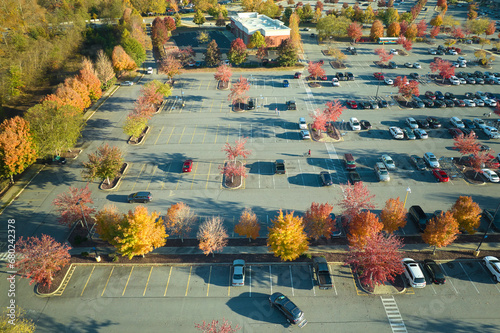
187,166
455,132
440,175
430,95
379,76
352,104
323,78
297,75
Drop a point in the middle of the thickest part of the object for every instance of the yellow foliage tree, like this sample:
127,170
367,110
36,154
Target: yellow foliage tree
467,213
22,324
141,233
108,221
393,216
287,238
249,225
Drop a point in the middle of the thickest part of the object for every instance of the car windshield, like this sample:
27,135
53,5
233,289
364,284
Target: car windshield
238,276
432,159
419,280
383,172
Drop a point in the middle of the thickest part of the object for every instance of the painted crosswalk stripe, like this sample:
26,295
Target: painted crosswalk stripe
393,314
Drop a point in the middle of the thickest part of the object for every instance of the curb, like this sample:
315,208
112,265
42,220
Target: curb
18,193
118,182
55,292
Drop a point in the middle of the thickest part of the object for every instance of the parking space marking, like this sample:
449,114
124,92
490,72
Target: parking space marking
159,134
312,280
172,132
216,134
189,279
333,281
109,277
128,279
227,137
209,276
229,284
152,175
291,279
393,315
194,174
208,174
250,279
85,286
147,282
301,176
194,132
473,284
168,281
442,267
139,175
180,137
271,279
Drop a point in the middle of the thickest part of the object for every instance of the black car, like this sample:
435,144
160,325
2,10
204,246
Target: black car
433,122
418,162
470,80
467,131
468,123
439,95
449,95
349,76
326,178
422,123
392,65
365,124
479,80
417,103
364,105
435,272
57,160
428,103
469,95
439,104
251,104
291,311
382,103
354,177
462,75
449,103
340,76
478,74
415,76
143,197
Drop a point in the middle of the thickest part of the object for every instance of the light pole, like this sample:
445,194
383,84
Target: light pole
408,190
79,202
476,253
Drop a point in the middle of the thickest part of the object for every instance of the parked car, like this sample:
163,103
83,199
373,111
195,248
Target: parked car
439,103
435,272
127,83
143,197
431,160
455,132
379,76
305,135
493,265
365,124
413,273
187,166
440,175
422,123
491,132
297,75
335,82
418,162
364,105
491,175
322,272
388,162
354,123
428,102
352,104
149,70
408,65
291,311
238,273
382,173
388,81
383,103
479,123
454,80
457,122
415,76
420,133
411,122
349,162
396,132
286,84
326,178
302,123
416,65
419,217
433,122
354,177
373,104
408,133
430,95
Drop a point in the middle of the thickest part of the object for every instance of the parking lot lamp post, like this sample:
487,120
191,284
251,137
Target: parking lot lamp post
89,234
408,190
476,253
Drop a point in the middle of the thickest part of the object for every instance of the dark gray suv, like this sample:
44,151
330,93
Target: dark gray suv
291,311
143,197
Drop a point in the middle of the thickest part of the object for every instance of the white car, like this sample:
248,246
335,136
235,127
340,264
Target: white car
420,133
408,65
432,51
388,81
461,59
431,160
491,132
456,64
355,125
335,82
305,135
127,83
411,122
493,265
457,122
394,51
417,65
454,80
479,123
396,132
238,273
149,70
388,162
413,273
490,102
302,123
469,102
462,80
490,175
479,102
452,52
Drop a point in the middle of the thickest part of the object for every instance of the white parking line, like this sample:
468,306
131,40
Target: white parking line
258,171
291,279
468,277
393,315
301,175
489,274
312,280
442,267
250,278
271,279
333,281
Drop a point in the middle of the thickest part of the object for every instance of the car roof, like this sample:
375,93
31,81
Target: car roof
239,262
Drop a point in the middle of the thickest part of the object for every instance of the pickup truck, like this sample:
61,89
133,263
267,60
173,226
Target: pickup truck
279,167
322,273
290,105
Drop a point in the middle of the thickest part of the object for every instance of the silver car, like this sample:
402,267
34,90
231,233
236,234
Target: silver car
238,273
431,160
382,173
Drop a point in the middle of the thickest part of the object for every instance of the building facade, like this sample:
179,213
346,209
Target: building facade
244,25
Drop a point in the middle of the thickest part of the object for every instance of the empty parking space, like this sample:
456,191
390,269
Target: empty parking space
117,281
138,281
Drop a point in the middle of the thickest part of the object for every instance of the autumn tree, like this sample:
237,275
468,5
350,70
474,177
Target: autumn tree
318,222
221,21
484,58
412,32
40,258
203,37
238,91
378,261
22,324
287,238
383,55
212,235
88,77
223,74
215,327
73,206
466,144
66,95
107,221
170,66
257,40
467,213
434,32
355,31
334,110
133,48
437,21
140,233
262,53
490,30
407,88
121,60
234,167
362,226
170,21
445,68
441,230
17,147
393,216
249,225
104,164
377,30
355,198
480,160
393,29
199,18
421,28
315,70
134,124
320,119
287,53
54,127
179,220
213,54
457,32
337,54
104,70
238,52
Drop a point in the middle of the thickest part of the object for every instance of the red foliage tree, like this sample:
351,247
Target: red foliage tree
490,30
159,32
355,199
223,73
41,258
215,327
441,3
379,261
170,66
445,68
407,88
333,110
318,222
71,204
169,23
408,44
383,55
238,150
238,91
457,32
319,5
363,226
319,120
434,32
480,160
315,70
355,31
422,28
403,26
467,144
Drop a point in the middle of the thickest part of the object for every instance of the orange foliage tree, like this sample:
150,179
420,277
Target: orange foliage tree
377,30
238,91
17,147
107,221
363,226
393,29
287,238
441,231
80,88
212,235
65,95
121,60
318,222
180,217
248,225
72,204
393,216
41,258
88,77
315,70
140,233
467,213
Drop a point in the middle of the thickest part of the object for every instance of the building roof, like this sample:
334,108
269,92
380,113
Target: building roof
253,22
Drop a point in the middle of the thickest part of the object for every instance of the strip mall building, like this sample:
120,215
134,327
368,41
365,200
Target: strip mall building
244,25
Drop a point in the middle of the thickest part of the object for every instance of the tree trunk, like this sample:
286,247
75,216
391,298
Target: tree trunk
12,179
107,180
434,251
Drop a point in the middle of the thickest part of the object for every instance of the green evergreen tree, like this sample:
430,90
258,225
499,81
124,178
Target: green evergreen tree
287,54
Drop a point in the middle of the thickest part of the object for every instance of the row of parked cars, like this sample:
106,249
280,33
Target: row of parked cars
439,100
477,77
